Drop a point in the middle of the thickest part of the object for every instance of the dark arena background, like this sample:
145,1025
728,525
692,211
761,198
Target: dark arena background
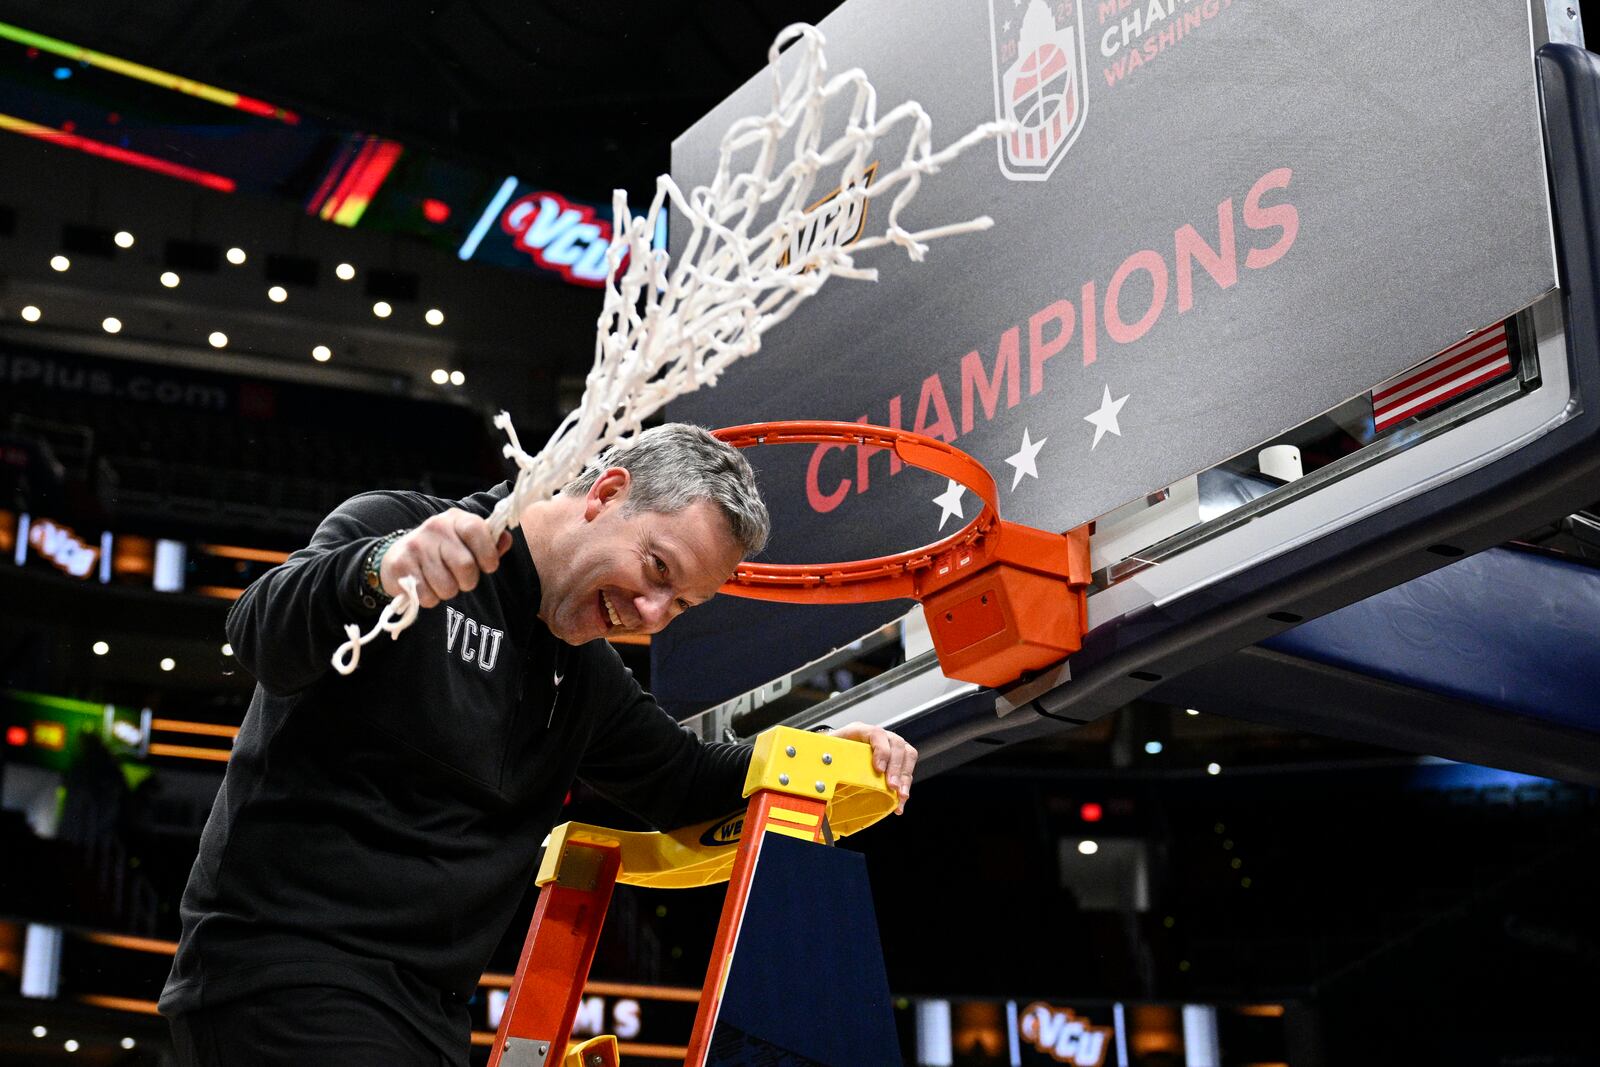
257,257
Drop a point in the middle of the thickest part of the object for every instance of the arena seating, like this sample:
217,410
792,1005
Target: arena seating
142,464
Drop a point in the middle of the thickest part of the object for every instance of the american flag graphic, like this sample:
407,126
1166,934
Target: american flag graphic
1480,359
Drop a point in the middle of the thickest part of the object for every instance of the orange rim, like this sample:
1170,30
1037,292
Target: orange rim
883,577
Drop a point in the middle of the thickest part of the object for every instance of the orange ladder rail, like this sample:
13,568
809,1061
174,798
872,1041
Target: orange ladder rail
805,785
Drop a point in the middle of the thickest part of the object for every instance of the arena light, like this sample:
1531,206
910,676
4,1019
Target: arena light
1090,811
218,339
440,376
176,726
1213,768
170,279
382,309
117,153
70,1045
100,648
140,72
236,256
1191,711
30,314
167,663
1259,1011
1153,748
1088,848
60,263
227,649
277,294
128,1042
123,238
322,353
434,317
252,555
111,324
457,378
39,1031
344,272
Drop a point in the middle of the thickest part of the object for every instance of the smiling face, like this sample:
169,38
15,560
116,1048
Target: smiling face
607,572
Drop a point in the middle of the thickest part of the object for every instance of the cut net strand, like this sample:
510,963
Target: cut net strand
669,325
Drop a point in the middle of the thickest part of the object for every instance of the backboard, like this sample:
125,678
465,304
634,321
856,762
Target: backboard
1285,341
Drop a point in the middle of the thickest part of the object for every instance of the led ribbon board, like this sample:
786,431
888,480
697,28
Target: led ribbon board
117,154
176,82
63,133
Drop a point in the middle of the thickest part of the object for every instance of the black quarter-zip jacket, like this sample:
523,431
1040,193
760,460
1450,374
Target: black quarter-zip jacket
377,831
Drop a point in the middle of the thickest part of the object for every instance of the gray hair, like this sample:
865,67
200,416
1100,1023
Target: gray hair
675,465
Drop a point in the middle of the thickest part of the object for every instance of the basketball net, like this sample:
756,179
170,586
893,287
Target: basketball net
670,325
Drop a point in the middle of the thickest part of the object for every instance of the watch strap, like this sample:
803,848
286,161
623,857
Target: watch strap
372,567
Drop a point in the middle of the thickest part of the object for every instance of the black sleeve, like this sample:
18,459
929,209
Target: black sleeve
639,758
286,625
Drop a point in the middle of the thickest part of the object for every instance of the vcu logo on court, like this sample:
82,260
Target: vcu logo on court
1041,80
479,644
1063,1036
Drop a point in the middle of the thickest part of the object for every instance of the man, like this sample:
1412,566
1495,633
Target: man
375,833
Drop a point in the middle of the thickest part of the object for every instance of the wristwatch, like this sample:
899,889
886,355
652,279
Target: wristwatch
372,569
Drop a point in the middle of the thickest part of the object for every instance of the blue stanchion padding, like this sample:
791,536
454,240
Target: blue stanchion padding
1504,628
807,987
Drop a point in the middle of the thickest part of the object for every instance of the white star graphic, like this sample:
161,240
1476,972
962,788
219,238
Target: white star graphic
1105,419
949,502
1006,25
1024,458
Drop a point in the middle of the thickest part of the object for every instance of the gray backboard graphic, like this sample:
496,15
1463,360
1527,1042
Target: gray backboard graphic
1215,221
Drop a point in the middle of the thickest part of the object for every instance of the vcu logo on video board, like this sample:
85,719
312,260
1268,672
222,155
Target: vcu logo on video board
1041,80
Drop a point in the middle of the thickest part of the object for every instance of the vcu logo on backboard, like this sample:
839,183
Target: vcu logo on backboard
1041,80
835,221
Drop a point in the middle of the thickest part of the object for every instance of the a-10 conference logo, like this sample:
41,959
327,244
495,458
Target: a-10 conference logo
1041,81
